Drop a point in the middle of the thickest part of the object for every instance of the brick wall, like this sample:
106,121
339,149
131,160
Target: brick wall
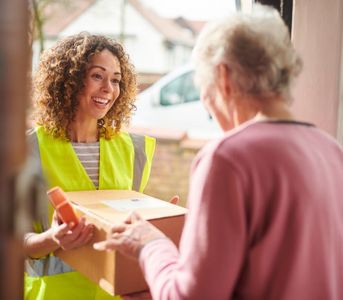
171,165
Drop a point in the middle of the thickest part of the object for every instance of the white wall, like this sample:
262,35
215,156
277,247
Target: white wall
317,35
144,43
102,17
146,50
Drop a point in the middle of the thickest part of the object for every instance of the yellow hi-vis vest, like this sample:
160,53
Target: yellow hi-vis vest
125,163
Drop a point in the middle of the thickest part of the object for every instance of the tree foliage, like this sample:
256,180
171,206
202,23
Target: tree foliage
39,9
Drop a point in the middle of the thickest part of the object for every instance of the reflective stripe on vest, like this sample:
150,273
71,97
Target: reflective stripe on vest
138,170
140,160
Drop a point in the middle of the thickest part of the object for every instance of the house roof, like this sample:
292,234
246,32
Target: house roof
167,27
59,15
194,26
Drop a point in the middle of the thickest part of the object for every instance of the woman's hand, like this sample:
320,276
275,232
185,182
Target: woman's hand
130,237
71,236
175,200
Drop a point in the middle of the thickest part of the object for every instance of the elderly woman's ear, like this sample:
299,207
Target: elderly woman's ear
224,80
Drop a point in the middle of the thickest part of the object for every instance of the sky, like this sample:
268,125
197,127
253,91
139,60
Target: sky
192,9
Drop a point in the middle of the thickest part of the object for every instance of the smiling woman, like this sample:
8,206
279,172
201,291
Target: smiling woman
66,74
101,90
84,91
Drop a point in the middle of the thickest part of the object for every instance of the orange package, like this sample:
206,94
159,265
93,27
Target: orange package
61,204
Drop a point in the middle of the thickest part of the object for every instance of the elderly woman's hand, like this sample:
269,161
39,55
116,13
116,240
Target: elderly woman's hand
130,237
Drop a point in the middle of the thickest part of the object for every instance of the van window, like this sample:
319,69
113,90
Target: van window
180,90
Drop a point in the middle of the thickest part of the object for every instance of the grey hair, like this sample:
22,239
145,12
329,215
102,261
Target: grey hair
255,47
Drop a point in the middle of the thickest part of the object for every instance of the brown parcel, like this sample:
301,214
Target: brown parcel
112,271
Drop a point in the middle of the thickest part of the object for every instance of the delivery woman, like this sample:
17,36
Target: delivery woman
84,91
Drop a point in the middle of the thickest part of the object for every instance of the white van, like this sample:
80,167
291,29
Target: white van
173,102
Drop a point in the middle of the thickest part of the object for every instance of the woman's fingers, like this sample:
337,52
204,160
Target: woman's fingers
76,230
75,236
133,217
100,246
130,238
84,237
111,244
118,228
60,231
175,200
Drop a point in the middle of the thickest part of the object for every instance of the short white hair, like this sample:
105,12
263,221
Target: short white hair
255,47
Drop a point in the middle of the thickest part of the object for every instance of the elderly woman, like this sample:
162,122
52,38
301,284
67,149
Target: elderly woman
84,91
265,203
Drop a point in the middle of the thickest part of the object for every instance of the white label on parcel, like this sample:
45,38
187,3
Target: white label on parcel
135,203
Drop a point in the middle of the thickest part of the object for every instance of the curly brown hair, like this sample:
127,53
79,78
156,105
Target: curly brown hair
60,77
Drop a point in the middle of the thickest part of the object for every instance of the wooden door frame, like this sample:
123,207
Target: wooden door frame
13,90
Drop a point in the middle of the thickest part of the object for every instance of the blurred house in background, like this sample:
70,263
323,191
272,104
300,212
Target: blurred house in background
156,44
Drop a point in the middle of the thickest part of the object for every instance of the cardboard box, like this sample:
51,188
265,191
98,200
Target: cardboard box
112,271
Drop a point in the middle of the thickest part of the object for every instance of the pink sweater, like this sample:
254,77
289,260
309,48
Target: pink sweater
265,220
